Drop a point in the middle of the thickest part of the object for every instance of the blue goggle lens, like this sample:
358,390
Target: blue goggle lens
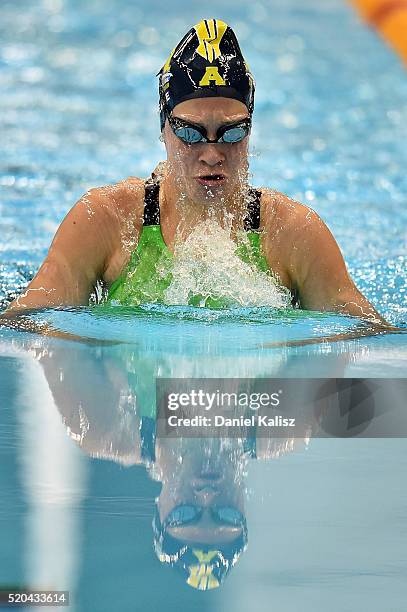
188,134
229,515
181,515
235,134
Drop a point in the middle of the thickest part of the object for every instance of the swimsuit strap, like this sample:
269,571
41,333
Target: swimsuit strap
152,206
151,202
252,219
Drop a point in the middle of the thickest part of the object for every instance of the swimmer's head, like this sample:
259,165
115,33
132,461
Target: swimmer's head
206,106
199,524
203,565
206,63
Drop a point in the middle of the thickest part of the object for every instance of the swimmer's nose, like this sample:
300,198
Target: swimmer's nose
207,487
211,154
207,494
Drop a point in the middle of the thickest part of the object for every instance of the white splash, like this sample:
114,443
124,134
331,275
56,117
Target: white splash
206,264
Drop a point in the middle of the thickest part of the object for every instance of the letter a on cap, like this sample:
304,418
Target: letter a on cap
211,75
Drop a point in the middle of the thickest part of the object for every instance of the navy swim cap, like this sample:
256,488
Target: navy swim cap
207,62
203,566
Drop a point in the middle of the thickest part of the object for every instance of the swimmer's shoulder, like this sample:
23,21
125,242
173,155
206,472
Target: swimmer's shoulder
127,196
289,228
114,210
123,200
121,205
280,212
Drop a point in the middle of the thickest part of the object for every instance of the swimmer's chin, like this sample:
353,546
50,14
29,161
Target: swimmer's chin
210,190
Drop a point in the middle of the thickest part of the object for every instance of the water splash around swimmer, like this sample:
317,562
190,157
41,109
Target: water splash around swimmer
206,264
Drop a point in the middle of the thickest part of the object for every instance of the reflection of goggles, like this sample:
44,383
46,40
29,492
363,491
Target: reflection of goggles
203,566
194,134
188,514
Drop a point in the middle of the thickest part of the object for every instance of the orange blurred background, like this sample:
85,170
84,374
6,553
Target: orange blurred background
389,18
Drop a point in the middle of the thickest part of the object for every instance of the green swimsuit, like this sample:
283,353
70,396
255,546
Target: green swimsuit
148,273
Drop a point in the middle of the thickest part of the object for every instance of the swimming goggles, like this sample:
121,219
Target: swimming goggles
194,134
188,514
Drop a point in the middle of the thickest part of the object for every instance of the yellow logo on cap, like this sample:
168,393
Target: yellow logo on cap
204,557
210,33
200,576
211,74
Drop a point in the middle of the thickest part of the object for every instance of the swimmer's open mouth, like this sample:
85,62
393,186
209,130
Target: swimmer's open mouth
211,180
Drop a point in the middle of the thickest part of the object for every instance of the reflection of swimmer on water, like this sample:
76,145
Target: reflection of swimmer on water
126,235
199,525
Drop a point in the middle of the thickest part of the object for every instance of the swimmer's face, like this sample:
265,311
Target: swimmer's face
193,165
207,477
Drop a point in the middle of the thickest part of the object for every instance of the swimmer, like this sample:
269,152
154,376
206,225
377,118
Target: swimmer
119,235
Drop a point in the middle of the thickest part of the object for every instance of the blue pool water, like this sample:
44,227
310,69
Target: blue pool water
327,520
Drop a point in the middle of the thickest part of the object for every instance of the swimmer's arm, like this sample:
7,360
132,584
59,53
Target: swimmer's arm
68,275
322,280
319,275
76,258
84,386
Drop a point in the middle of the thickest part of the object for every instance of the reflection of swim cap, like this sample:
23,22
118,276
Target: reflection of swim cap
207,62
205,566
